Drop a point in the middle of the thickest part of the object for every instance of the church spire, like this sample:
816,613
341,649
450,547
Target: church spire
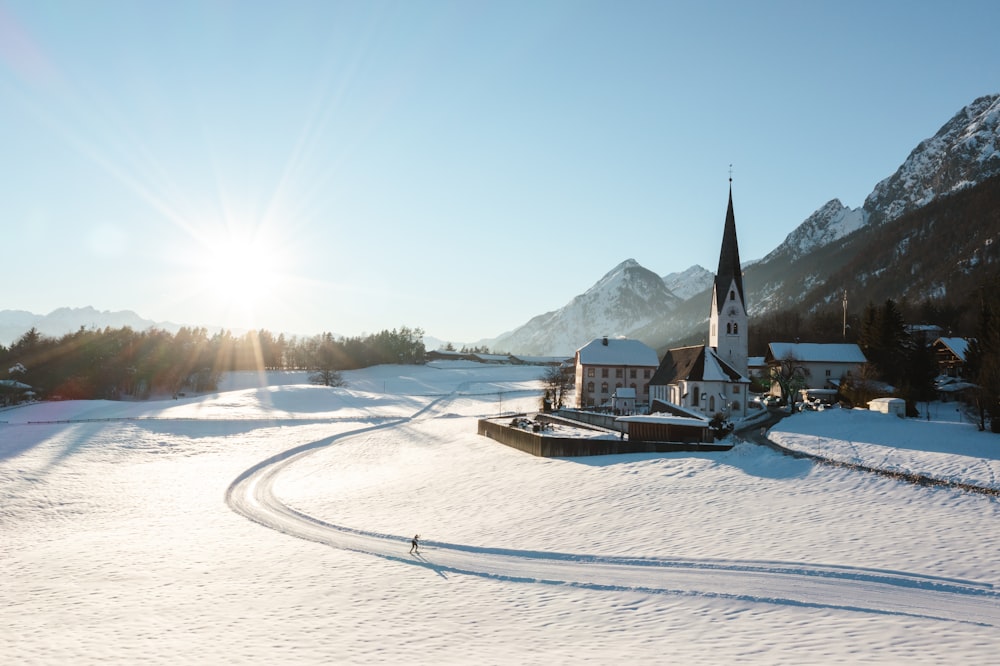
729,258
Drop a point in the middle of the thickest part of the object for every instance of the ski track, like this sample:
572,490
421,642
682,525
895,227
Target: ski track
867,590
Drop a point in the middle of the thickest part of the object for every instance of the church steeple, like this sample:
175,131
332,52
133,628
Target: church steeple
728,319
729,258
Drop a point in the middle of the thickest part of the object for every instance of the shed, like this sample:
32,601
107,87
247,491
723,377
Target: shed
895,406
667,428
623,400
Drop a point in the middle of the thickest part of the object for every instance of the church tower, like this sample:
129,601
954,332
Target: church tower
728,319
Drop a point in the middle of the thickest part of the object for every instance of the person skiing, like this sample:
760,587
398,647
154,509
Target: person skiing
414,546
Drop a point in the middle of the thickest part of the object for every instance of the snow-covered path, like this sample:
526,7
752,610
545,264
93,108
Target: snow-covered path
859,589
119,546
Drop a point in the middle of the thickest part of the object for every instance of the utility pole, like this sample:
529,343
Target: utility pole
845,314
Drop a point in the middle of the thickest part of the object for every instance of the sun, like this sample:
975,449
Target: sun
241,275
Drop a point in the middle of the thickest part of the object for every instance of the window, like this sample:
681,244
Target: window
736,328
827,373
604,387
711,404
736,389
645,389
590,387
591,372
693,391
618,385
619,372
732,295
645,373
631,373
729,329
604,372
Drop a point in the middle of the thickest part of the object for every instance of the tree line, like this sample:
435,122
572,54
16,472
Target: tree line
124,363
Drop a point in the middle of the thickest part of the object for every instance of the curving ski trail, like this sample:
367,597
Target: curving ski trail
789,583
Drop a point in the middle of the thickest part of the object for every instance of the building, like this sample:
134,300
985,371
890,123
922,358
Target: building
818,365
951,355
605,365
712,379
894,406
696,379
623,400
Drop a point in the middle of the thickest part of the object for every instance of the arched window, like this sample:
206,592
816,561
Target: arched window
729,329
711,404
732,295
736,328
693,392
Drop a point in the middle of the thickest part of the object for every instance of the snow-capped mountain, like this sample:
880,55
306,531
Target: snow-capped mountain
965,151
626,299
687,283
831,222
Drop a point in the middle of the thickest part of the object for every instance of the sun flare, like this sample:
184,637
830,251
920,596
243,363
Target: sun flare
241,275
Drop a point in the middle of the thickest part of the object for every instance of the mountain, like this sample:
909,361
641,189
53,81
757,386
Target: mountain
885,248
689,282
628,298
964,151
831,222
14,323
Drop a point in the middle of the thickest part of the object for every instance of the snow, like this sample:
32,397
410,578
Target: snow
946,448
270,523
618,351
814,352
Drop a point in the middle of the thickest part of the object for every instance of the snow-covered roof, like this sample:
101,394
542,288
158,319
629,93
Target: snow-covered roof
815,352
618,351
666,408
697,363
958,346
756,362
665,419
624,392
14,384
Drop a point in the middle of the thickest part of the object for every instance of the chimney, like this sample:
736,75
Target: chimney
604,341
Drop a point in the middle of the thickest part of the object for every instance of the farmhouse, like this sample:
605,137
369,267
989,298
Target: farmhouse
817,365
951,354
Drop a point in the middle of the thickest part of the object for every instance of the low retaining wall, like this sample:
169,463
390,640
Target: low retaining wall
546,446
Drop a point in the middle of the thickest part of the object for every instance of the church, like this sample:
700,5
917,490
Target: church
712,379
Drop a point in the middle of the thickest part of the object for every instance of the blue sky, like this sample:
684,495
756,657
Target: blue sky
455,166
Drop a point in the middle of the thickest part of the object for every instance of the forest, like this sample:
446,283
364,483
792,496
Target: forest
123,363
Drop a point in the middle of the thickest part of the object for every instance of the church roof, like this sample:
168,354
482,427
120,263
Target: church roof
698,364
729,259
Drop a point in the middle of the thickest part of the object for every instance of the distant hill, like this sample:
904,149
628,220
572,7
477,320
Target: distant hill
14,323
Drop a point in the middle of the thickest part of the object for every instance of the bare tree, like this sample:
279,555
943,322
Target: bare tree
790,374
559,380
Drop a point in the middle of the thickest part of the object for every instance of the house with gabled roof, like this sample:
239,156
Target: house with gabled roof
605,365
951,355
820,365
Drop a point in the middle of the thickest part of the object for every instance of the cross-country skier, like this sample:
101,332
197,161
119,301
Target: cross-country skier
414,546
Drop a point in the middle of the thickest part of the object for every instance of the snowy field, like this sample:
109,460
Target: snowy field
270,523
